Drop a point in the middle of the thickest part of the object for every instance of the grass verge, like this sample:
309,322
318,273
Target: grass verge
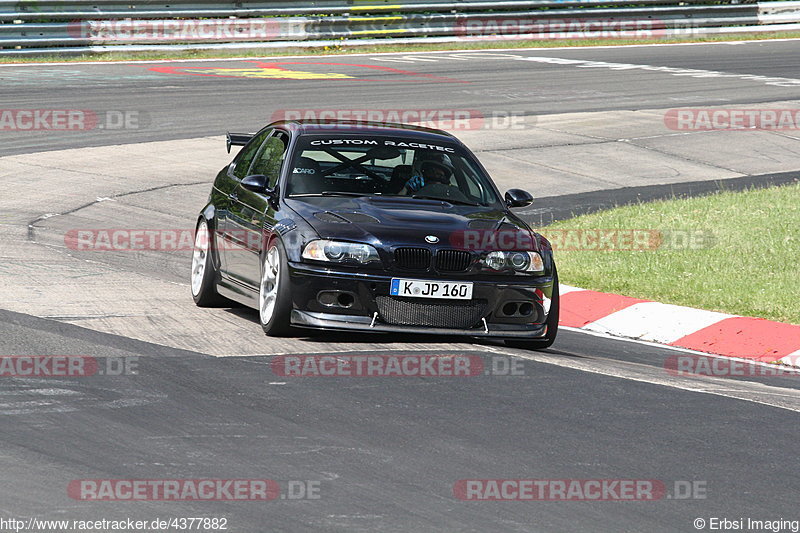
751,267
348,48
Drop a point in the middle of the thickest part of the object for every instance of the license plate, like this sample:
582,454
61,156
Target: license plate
415,288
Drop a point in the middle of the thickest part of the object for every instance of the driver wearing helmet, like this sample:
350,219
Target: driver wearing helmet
433,180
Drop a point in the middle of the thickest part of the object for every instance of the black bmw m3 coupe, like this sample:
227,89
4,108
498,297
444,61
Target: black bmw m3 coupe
372,227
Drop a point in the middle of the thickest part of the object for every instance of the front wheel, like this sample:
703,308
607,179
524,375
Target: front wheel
552,324
274,298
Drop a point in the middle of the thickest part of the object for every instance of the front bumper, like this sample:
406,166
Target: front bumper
367,288
364,323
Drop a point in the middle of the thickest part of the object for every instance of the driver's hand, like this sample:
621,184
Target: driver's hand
415,183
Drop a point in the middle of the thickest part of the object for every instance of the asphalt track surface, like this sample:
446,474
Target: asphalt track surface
183,103
386,452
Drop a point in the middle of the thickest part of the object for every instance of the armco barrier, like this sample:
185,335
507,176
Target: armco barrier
54,26
54,10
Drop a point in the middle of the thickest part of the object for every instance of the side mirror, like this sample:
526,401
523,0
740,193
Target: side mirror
518,198
255,183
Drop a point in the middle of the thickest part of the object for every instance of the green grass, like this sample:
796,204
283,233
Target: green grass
751,269
389,47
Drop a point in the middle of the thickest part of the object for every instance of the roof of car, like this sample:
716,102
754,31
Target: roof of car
364,128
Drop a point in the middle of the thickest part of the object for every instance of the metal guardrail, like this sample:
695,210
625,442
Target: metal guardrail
84,26
53,10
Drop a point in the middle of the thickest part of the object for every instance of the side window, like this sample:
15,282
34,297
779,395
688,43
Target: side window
270,158
473,189
472,182
248,153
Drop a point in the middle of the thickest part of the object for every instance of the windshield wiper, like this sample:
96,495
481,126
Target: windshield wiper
331,193
347,193
448,200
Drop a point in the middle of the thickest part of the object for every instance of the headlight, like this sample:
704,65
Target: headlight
340,252
517,261
495,260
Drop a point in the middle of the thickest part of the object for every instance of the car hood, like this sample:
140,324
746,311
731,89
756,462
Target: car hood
398,221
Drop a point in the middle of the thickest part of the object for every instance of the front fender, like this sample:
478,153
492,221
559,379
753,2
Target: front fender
294,232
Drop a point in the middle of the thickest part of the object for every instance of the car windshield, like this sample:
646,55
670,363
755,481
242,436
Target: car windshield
356,165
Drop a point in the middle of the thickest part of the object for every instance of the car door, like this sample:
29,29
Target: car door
252,213
228,191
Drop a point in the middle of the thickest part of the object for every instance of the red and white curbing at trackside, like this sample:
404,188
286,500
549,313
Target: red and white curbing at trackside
684,327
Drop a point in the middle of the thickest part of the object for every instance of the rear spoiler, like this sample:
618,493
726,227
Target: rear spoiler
237,139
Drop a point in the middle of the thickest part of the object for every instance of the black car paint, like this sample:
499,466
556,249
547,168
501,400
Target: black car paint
245,221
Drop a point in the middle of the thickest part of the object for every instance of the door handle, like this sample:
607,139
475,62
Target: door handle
233,196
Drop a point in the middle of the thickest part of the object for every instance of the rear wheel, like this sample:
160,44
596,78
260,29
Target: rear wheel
552,325
274,298
204,290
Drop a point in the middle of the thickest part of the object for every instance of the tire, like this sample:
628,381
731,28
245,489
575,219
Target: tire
274,294
203,276
552,324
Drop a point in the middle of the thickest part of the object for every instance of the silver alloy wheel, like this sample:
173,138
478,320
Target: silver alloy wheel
270,278
199,257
